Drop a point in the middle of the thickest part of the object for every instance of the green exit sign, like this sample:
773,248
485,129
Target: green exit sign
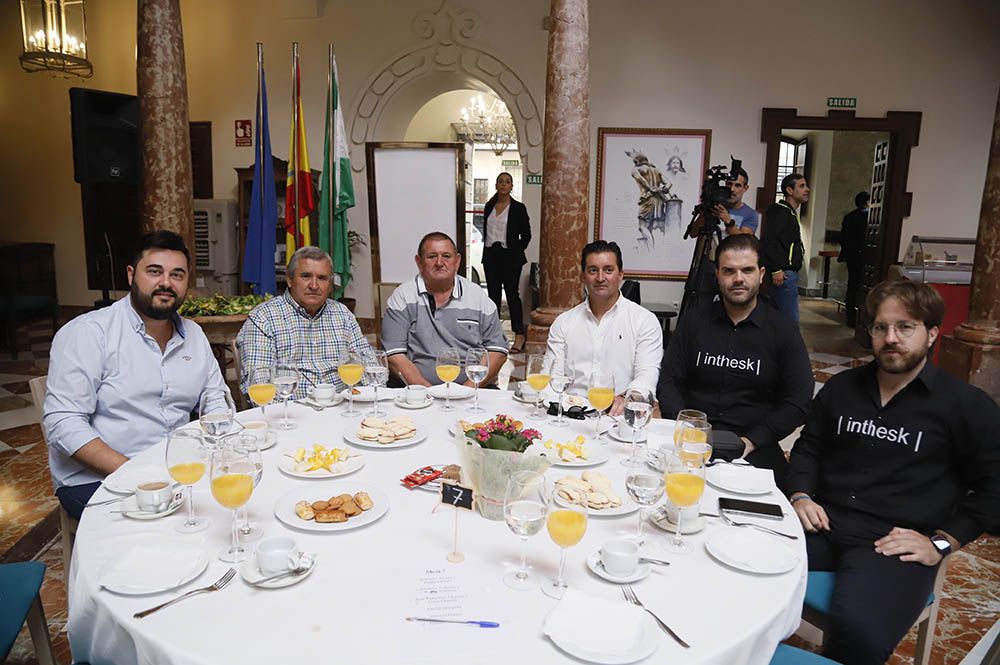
510,162
842,102
534,179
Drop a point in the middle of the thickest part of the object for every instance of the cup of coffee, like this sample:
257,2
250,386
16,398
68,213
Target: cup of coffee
527,392
258,430
674,513
277,555
154,496
620,557
323,393
416,394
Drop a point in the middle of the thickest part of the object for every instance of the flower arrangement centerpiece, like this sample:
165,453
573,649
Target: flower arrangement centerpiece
493,450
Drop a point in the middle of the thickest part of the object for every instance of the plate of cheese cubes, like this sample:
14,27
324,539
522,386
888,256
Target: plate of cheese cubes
320,462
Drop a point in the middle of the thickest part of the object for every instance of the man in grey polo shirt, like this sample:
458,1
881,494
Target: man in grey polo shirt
438,309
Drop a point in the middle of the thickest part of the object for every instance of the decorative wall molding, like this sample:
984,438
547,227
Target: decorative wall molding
447,45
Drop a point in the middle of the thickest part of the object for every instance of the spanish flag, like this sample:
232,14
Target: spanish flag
297,217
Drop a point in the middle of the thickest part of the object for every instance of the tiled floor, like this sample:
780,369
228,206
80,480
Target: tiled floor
970,606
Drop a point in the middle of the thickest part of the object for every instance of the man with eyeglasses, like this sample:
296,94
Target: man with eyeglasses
897,467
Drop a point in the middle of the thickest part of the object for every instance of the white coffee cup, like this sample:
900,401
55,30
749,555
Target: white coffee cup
154,496
258,430
527,392
674,513
416,394
323,393
620,557
277,555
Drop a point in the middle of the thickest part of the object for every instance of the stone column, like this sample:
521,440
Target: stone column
972,353
163,110
565,166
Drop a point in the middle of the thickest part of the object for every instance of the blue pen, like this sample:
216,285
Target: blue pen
481,624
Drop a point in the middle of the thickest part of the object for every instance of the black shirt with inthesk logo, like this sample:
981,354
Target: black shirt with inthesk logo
752,378
927,460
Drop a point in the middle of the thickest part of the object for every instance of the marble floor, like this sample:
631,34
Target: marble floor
29,520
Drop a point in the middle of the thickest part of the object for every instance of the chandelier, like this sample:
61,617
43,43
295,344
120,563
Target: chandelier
54,34
489,124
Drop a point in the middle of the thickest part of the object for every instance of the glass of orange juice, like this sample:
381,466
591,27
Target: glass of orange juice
448,367
696,441
601,395
538,377
232,477
566,524
186,461
350,369
685,483
261,389
684,418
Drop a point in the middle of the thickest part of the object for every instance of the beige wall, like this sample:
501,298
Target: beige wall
819,156
651,66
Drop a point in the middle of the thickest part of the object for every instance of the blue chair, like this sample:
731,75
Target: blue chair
819,595
20,584
788,655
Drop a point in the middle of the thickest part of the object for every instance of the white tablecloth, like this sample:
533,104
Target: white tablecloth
352,608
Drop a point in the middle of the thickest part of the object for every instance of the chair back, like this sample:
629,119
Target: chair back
37,386
630,289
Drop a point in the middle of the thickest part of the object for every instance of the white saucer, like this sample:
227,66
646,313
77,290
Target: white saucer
613,433
401,402
313,402
689,525
458,391
644,648
251,575
129,507
641,572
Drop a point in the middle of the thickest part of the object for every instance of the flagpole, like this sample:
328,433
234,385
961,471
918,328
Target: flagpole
258,144
295,141
331,128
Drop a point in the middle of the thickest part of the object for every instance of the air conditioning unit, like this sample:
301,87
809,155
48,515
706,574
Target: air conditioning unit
216,252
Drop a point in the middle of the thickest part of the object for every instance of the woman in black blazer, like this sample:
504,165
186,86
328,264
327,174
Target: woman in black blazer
506,233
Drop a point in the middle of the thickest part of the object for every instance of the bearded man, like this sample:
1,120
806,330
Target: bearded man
122,377
740,361
898,466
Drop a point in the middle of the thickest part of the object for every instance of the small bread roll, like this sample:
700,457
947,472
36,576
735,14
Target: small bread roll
320,505
363,501
350,508
328,516
345,497
304,510
335,502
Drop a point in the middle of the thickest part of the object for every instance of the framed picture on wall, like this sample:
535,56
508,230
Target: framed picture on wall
648,182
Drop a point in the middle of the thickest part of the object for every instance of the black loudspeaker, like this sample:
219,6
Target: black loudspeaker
106,130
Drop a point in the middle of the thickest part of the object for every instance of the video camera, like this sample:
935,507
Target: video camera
715,191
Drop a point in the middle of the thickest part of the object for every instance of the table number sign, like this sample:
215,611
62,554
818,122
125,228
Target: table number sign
459,497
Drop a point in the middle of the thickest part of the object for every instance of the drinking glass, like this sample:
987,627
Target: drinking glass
525,511
249,530
286,378
350,369
537,375
566,523
233,472
261,388
216,415
186,460
477,366
685,483
377,374
645,489
686,417
448,367
601,395
638,408
561,375
696,441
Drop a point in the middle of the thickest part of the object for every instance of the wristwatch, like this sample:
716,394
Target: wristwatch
941,544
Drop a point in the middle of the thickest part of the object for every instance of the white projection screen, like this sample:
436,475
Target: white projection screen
413,189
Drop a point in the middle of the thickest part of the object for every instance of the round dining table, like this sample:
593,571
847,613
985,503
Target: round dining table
366,581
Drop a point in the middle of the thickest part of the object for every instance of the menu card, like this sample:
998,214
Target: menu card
441,592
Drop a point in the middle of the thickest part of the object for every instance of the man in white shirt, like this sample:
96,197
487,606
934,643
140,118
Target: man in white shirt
607,330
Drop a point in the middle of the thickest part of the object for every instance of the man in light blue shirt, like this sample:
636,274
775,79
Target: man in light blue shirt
120,378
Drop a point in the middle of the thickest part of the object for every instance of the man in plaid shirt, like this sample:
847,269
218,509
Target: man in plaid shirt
302,327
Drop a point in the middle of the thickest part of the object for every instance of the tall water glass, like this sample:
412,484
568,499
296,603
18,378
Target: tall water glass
477,367
561,375
525,512
377,375
638,409
646,489
187,459
286,378
216,415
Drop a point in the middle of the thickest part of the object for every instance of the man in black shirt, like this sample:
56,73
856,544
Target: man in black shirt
781,244
740,361
898,466
853,230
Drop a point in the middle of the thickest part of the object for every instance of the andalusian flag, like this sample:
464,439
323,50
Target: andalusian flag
335,186
297,230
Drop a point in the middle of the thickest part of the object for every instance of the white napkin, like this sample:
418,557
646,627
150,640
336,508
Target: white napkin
743,478
457,391
154,567
596,625
754,549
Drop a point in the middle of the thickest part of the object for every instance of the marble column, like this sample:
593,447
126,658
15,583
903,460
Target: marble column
163,109
565,166
972,352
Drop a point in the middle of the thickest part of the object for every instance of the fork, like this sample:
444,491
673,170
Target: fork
221,583
731,522
630,597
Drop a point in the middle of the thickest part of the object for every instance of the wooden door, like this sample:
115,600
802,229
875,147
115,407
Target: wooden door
875,237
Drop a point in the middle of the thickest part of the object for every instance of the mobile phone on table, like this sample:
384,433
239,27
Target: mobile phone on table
752,508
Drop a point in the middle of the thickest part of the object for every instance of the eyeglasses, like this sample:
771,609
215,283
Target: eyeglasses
903,329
